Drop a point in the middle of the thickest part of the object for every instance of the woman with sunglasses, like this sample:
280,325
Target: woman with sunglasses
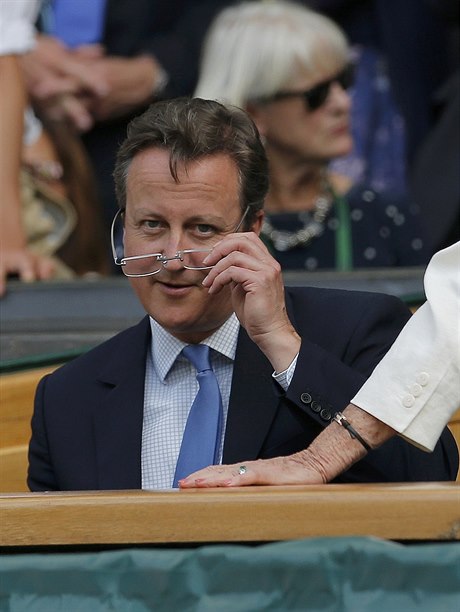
289,67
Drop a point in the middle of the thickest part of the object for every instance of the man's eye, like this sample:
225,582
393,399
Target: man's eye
151,224
204,228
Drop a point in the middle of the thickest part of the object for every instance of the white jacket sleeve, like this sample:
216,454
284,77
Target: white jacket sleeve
17,30
415,389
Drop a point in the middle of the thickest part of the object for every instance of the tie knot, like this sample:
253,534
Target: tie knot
198,354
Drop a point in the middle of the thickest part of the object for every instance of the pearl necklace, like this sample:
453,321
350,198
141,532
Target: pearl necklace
284,240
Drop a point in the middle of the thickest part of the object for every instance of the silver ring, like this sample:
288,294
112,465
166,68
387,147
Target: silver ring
242,469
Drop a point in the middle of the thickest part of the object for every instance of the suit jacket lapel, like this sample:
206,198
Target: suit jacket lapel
253,402
118,419
254,399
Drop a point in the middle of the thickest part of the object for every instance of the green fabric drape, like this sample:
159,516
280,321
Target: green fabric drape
322,574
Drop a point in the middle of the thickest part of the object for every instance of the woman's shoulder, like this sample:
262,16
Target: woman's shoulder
362,194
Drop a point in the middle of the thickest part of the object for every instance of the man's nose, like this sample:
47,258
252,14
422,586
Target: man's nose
172,246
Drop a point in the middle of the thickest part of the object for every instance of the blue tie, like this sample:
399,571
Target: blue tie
201,440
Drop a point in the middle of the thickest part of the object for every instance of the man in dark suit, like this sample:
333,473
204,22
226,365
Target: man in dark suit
191,179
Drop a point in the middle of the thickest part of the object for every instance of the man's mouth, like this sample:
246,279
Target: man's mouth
176,288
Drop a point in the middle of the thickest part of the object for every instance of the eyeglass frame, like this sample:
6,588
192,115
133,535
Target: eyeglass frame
121,261
345,78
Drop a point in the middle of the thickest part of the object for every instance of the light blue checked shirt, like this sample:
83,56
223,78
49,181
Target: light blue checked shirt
171,387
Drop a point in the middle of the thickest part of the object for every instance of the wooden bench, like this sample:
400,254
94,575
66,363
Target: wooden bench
454,426
17,392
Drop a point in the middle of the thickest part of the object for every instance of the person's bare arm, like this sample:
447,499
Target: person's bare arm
51,69
15,257
131,83
86,85
59,81
331,453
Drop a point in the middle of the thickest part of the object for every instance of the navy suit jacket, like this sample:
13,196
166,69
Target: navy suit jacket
87,423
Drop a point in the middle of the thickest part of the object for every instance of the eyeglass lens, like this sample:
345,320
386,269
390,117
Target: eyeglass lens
151,264
316,96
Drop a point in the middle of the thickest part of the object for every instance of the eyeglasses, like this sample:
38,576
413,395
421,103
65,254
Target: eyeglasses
317,95
138,266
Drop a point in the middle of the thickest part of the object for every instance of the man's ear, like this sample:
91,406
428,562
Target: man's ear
256,226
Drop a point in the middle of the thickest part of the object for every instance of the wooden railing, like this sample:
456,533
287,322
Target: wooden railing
424,511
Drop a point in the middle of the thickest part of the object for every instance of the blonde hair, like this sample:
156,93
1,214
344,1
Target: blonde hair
255,49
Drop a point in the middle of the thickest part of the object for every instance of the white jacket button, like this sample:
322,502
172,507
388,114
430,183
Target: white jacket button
416,390
408,401
422,378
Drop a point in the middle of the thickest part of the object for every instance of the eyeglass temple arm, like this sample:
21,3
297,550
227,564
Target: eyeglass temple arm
237,228
116,259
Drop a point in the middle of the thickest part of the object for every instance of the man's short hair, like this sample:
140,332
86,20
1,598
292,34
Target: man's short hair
193,128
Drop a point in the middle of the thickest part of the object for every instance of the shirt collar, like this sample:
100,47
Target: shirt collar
165,348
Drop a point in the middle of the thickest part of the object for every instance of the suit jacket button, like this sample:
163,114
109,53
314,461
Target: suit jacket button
416,390
325,414
422,378
408,401
316,407
305,398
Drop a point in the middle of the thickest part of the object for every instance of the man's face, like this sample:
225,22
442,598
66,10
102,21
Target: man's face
163,216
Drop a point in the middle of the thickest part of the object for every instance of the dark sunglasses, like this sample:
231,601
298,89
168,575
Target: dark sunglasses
317,95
